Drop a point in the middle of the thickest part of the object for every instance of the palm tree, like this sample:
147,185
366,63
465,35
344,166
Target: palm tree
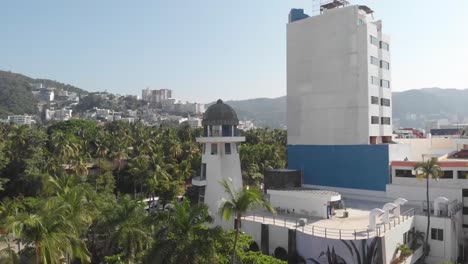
426,170
238,204
132,228
182,236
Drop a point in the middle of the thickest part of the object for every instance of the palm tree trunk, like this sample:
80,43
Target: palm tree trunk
233,259
428,217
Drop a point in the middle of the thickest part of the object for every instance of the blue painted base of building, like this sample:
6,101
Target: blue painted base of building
363,167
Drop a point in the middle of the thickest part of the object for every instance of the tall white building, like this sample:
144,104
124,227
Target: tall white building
338,77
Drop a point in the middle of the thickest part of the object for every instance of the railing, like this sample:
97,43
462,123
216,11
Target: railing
333,233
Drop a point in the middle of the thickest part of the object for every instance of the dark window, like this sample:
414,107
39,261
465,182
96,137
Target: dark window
405,238
374,60
465,210
203,171
214,149
447,175
465,226
374,100
384,45
374,120
385,83
374,40
385,102
404,174
203,148
384,65
465,193
227,148
437,234
462,174
385,121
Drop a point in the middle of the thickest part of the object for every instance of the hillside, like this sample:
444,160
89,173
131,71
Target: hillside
16,93
410,108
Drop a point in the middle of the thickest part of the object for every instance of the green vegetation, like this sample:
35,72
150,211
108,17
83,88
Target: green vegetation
73,193
238,204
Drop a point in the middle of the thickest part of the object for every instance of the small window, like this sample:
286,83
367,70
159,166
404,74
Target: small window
374,40
203,171
385,102
384,45
214,149
404,174
465,210
374,120
385,83
462,174
227,148
385,121
374,100
375,80
447,174
203,148
405,238
384,65
374,60
437,234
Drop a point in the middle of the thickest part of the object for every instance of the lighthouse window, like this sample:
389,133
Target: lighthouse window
214,149
227,148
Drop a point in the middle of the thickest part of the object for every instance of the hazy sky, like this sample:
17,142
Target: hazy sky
209,49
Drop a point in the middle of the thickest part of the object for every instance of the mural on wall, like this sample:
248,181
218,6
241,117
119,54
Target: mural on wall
320,250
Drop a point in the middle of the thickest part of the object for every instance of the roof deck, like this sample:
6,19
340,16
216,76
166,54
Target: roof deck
353,227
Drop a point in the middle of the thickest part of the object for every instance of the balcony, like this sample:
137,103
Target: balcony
199,181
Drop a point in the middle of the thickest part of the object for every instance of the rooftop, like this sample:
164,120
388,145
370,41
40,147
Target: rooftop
353,227
220,114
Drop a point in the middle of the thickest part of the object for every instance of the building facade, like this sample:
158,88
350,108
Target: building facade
156,96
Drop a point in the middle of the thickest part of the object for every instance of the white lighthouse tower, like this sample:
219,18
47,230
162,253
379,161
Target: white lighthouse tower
220,157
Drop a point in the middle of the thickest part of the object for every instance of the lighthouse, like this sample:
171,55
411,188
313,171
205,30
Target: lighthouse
220,157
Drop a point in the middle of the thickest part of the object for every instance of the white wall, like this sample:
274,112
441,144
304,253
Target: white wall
417,194
218,167
278,238
394,238
425,147
446,250
314,204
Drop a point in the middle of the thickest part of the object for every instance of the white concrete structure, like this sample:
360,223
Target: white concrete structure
338,79
58,115
220,157
21,119
306,201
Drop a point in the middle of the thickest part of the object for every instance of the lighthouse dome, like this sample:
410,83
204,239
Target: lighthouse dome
220,114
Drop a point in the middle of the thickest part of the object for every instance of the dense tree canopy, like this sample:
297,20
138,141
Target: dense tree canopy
73,192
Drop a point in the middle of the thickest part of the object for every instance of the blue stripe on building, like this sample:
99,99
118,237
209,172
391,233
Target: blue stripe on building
345,166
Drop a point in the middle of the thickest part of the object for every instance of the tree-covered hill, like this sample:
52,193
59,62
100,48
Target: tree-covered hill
16,93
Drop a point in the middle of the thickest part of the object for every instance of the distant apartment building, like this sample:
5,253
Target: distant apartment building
21,119
58,115
191,108
156,96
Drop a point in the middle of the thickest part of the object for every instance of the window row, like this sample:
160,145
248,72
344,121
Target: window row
383,101
380,44
447,174
214,148
381,63
382,83
375,120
